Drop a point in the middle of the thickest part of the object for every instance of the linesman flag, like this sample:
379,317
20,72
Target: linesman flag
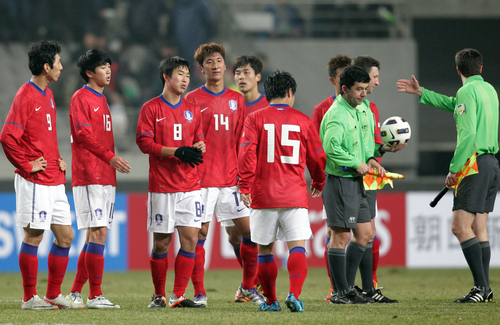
373,181
470,168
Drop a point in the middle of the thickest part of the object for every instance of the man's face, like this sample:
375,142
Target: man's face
374,73
55,71
245,78
102,75
214,67
356,94
179,81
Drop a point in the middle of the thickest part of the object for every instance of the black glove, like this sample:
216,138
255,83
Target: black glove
190,155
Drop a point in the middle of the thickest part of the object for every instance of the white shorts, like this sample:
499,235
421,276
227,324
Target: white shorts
285,224
224,201
40,206
94,205
166,211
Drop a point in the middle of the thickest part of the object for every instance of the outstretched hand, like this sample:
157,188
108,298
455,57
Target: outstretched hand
409,86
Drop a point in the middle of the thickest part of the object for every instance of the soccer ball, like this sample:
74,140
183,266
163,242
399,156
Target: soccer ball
395,130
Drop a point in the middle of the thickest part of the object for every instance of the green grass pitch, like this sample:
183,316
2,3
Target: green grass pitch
425,296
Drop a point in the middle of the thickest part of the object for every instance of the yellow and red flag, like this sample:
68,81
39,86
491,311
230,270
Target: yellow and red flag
373,181
470,168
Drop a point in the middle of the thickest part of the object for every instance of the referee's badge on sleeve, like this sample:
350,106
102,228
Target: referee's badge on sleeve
461,109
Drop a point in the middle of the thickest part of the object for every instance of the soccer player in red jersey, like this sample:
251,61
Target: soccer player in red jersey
277,144
93,173
169,131
223,113
29,140
335,66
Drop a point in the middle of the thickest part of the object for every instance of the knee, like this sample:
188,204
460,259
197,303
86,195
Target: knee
235,241
98,235
67,239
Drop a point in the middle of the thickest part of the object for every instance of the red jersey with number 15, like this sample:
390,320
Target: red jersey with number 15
92,142
277,143
162,124
30,132
223,116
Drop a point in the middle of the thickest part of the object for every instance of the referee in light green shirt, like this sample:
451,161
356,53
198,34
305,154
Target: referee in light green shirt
475,110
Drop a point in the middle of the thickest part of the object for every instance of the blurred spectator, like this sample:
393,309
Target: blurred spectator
144,20
287,21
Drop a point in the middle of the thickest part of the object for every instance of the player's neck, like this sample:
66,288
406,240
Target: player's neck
171,97
41,81
92,85
252,95
280,101
215,86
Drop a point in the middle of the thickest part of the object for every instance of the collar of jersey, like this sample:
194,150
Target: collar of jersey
474,78
36,87
279,107
92,90
255,101
212,93
166,102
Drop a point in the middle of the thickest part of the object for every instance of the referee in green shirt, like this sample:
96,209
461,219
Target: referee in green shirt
475,109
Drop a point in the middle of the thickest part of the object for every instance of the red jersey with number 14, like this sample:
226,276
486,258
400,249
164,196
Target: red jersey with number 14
30,132
92,142
276,145
162,124
223,115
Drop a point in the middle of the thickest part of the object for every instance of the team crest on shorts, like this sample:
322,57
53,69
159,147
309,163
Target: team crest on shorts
233,105
158,219
52,104
461,109
188,115
98,214
42,216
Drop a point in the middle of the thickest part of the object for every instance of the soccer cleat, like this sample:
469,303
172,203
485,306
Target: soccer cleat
352,296
377,296
37,303
60,302
200,299
368,298
76,299
293,304
329,297
259,288
158,301
182,302
275,306
477,294
252,294
238,296
100,302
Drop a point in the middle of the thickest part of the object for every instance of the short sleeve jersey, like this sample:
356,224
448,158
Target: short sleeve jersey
320,110
30,132
277,143
92,143
261,102
162,124
222,120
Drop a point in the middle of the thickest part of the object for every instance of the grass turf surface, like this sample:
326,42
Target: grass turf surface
425,296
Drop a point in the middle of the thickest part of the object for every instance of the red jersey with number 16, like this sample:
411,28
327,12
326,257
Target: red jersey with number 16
92,142
223,115
162,124
277,143
30,132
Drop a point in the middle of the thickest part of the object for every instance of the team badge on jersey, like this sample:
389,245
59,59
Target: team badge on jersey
189,116
158,219
43,216
233,105
461,109
52,104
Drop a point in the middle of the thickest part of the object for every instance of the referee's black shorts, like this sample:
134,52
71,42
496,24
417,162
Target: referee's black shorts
477,193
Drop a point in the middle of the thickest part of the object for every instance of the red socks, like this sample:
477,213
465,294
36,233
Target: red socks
57,262
268,272
297,269
184,263
94,260
28,263
248,251
199,269
159,266
81,272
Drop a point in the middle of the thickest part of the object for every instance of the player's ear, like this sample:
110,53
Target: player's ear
258,77
88,73
332,80
46,67
480,69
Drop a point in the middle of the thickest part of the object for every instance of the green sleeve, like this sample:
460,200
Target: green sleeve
465,116
437,100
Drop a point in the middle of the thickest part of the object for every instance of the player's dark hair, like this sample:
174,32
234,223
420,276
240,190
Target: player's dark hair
206,49
340,61
469,62
244,60
169,64
353,74
90,60
366,62
278,83
40,53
